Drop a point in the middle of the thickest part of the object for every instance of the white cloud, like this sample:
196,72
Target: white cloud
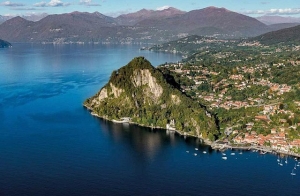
88,3
52,3
287,11
163,8
10,4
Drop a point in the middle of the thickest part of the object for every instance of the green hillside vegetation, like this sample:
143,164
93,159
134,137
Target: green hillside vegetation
152,104
288,35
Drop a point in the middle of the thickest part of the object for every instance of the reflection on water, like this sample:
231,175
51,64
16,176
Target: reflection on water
146,141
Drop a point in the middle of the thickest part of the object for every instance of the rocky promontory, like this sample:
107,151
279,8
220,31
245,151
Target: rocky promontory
4,44
141,93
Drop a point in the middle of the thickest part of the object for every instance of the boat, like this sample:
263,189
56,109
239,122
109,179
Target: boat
195,154
280,164
225,158
241,153
232,153
286,161
187,151
293,173
204,152
196,148
223,154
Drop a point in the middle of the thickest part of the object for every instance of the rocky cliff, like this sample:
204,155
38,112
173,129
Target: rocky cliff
141,92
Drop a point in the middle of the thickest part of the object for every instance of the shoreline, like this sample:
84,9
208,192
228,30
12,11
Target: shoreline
214,145
205,141
262,149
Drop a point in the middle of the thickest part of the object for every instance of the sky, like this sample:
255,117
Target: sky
115,8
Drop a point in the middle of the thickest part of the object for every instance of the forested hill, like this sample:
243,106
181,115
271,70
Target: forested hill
4,44
141,92
289,35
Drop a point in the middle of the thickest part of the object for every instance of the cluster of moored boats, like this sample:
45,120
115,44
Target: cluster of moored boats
279,160
223,154
195,154
297,165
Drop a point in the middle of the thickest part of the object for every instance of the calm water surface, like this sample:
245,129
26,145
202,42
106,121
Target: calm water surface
51,145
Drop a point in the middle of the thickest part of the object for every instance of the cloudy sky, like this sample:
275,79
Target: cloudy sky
117,7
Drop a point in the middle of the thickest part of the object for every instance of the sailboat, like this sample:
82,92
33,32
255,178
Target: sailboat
286,161
293,174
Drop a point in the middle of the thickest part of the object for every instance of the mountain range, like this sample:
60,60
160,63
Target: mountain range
147,26
31,17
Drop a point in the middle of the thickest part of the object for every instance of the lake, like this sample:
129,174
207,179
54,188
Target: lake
51,145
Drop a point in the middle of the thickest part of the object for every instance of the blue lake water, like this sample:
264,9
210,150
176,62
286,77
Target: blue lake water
51,145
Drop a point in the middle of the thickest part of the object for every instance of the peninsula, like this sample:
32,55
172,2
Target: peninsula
4,44
141,94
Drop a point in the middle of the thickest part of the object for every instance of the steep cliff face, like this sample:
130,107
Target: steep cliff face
140,91
145,78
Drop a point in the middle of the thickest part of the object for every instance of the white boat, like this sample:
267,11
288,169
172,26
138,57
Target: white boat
196,148
232,153
223,154
293,173
195,154
241,153
225,158
204,152
280,164
187,151
286,161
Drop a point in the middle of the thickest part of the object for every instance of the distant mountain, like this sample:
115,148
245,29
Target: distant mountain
34,17
151,26
74,26
133,18
269,20
4,44
4,18
218,19
276,27
289,35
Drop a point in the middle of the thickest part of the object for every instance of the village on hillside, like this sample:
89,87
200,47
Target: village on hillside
255,106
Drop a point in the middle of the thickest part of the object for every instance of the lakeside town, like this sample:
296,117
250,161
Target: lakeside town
254,99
